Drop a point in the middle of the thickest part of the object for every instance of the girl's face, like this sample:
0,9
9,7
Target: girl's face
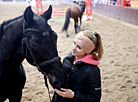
77,51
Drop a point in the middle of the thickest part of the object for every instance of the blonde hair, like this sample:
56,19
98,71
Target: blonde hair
96,39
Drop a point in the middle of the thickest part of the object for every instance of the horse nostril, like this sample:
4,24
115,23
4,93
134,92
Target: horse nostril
56,83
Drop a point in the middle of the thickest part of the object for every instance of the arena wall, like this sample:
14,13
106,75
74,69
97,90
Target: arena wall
126,14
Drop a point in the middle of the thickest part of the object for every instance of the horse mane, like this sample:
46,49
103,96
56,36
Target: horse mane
1,29
6,24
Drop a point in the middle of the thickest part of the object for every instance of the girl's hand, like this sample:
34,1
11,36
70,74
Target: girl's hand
65,93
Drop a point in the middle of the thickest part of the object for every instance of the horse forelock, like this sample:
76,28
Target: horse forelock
41,23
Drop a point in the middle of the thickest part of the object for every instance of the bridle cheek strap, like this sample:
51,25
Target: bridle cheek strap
25,47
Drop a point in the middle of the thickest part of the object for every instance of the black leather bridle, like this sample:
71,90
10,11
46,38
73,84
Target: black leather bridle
26,46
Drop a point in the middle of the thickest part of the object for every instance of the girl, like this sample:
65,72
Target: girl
81,64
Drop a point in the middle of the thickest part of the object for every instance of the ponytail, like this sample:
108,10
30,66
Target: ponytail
97,41
98,51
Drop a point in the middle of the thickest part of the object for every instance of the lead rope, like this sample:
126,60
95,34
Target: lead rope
45,77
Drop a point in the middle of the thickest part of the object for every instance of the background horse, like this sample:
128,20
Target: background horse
75,12
28,36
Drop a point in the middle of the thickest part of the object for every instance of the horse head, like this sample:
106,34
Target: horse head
39,46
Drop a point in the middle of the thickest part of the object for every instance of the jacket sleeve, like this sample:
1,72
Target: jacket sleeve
93,87
68,62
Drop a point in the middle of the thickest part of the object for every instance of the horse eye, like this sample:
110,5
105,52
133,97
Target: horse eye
34,44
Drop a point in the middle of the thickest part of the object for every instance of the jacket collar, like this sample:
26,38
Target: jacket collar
88,59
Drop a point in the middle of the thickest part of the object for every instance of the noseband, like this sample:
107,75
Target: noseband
26,46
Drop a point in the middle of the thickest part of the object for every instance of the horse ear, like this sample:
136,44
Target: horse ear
28,15
47,14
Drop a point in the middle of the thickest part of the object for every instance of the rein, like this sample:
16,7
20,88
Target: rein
26,46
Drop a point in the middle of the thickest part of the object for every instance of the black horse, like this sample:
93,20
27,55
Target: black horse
28,36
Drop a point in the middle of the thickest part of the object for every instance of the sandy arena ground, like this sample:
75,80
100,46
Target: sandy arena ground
119,66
